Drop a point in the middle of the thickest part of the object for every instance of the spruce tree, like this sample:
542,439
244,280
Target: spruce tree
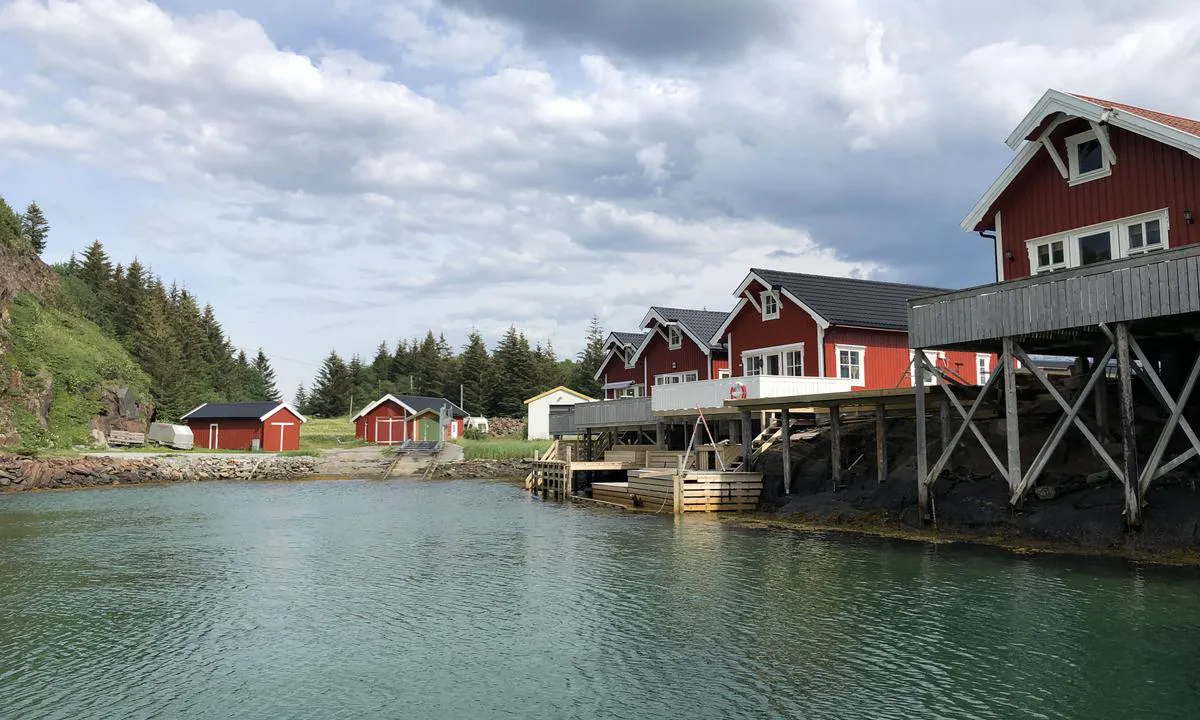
590,359
34,227
514,363
11,231
475,375
264,377
128,294
300,401
381,367
330,395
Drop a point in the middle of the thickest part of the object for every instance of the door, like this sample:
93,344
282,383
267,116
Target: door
427,429
281,427
214,436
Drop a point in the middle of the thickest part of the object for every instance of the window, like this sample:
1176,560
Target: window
632,391
933,356
1111,240
1086,158
675,378
630,354
723,374
850,363
770,306
786,360
674,337
1143,236
983,368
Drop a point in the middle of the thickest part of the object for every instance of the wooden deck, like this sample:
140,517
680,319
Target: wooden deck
665,492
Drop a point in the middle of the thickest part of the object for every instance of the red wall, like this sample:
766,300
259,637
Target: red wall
231,435
270,432
886,359
659,357
749,331
365,427
1148,176
615,371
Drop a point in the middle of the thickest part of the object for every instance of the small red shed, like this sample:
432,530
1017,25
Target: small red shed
394,419
236,426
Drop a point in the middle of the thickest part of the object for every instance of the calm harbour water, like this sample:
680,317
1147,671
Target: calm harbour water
469,600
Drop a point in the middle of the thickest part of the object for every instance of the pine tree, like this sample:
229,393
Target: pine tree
330,396
128,294
96,269
11,231
34,228
381,367
514,363
590,359
264,377
300,401
400,376
475,375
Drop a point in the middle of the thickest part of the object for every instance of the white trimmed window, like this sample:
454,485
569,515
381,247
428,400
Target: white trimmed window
770,306
1086,158
850,362
633,391
933,356
674,337
630,354
785,360
983,368
1111,240
675,378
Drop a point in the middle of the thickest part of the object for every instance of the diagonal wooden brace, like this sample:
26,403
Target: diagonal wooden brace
1176,419
1060,431
1087,433
968,423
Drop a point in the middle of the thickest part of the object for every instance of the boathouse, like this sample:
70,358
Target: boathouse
620,373
549,414
268,426
395,419
1095,246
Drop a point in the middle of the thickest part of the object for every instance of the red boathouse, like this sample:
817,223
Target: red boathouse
394,419
271,426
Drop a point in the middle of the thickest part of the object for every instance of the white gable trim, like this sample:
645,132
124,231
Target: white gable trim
607,359
193,410
283,406
663,322
379,402
753,277
720,334
1054,101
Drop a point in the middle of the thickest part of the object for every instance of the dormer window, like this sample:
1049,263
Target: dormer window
630,354
1087,158
770,306
674,337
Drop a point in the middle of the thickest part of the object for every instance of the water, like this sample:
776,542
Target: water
468,600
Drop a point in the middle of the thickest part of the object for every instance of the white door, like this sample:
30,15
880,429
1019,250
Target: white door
214,436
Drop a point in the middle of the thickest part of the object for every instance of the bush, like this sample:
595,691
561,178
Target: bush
475,433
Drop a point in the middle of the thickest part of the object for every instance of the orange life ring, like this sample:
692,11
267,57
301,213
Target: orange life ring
737,391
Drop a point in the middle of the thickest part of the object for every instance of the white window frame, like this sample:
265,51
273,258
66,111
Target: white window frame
983,368
674,337
930,379
677,377
779,352
630,355
633,391
1073,143
1118,237
764,296
862,362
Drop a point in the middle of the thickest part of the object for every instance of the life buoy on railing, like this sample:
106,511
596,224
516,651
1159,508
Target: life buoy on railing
737,391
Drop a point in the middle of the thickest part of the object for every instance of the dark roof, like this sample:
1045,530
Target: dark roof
421,403
629,338
701,323
849,301
232,411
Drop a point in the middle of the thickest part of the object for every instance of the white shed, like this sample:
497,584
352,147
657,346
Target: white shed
539,408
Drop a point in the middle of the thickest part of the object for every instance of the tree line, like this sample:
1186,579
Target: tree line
178,343
28,229
491,383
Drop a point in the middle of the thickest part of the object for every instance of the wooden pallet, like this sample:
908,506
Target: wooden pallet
120,437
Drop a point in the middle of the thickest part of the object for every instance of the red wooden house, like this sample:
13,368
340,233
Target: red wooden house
1093,180
679,348
273,426
394,419
793,324
620,375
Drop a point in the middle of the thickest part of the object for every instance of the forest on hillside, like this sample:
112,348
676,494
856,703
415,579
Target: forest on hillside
175,339
491,383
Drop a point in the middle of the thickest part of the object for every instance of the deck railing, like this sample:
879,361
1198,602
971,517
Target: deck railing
624,412
710,394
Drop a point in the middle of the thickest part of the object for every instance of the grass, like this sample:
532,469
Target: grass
49,343
502,448
327,434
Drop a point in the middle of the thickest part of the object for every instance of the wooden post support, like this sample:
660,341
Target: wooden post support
747,440
660,440
677,483
565,487
944,418
922,446
1101,391
589,446
787,451
835,444
881,459
1010,415
1133,490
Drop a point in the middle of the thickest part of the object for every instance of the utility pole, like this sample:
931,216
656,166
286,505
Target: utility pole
351,404
461,398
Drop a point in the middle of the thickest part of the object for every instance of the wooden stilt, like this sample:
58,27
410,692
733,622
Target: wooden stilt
565,488
944,418
787,451
1012,431
881,459
660,440
747,440
922,445
1101,391
1160,447
835,444
1133,490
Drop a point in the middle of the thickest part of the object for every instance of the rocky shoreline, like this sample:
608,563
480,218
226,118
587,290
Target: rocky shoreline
21,473
487,469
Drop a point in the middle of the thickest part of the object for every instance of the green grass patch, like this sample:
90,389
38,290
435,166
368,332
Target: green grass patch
502,448
300,453
81,359
328,433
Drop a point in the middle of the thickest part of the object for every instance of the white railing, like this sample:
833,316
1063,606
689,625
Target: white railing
708,394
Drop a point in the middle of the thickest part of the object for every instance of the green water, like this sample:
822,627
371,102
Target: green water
468,600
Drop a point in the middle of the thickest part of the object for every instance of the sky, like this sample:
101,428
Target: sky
333,173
